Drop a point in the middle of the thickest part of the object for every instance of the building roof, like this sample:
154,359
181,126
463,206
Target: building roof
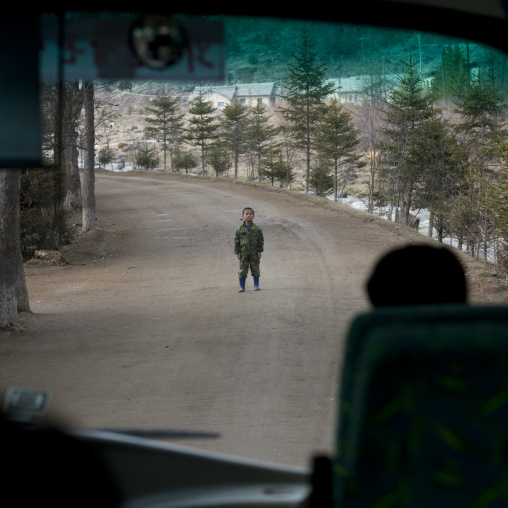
241,89
361,83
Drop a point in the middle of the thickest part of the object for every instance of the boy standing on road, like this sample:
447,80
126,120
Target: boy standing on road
249,244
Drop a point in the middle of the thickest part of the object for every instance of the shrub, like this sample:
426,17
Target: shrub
106,156
147,158
184,160
219,159
42,225
321,180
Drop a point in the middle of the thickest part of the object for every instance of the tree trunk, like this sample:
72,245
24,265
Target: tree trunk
390,211
22,300
13,292
307,169
335,182
88,196
406,206
372,176
202,158
71,112
431,224
440,232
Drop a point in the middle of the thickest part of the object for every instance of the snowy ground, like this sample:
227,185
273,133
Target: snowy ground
422,214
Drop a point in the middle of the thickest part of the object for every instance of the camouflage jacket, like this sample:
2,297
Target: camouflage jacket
248,239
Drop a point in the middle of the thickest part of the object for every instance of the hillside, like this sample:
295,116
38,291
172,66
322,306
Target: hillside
259,50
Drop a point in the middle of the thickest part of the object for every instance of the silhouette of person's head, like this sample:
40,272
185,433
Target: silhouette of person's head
417,275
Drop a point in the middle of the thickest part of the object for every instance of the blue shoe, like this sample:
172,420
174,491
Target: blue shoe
242,285
256,283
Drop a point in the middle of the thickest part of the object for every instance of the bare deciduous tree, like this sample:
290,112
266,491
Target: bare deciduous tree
88,190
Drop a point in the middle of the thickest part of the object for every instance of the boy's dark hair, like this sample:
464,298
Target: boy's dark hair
248,208
417,275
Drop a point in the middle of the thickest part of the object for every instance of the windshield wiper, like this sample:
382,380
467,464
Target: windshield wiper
163,434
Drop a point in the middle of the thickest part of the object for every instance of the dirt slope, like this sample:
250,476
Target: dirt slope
144,328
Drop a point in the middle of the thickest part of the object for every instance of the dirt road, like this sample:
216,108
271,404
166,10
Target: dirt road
145,328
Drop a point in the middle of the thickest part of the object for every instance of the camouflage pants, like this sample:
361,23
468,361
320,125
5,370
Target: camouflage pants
249,259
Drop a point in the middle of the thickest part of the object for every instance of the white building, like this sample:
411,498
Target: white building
220,96
354,88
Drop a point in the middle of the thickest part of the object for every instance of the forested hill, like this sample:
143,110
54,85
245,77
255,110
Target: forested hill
259,50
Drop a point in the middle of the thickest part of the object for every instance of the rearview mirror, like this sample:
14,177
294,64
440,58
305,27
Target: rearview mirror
157,41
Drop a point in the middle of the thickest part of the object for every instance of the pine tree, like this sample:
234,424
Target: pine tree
479,107
219,159
287,148
165,124
305,92
406,108
233,125
321,179
501,208
106,156
183,159
146,157
452,77
337,140
274,167
260,136
433,157
201,131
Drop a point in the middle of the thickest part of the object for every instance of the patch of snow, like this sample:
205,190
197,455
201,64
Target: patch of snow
422,214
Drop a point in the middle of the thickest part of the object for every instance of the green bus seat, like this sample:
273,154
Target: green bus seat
423,409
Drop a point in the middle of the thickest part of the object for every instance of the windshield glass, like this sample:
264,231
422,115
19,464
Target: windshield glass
147,306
